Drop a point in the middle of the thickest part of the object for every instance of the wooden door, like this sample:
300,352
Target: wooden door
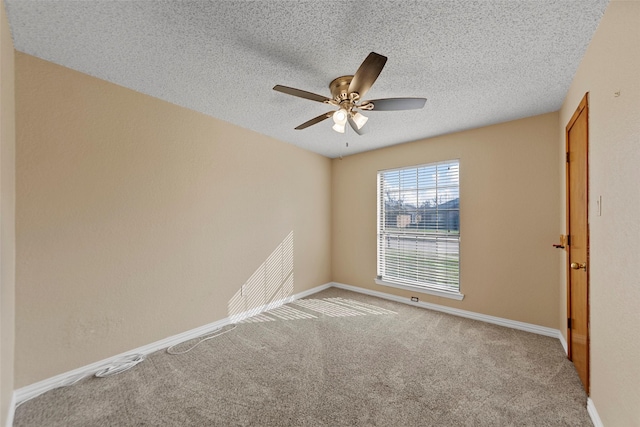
577,137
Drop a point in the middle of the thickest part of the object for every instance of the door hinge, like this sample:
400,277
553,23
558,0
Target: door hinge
568,323
567,157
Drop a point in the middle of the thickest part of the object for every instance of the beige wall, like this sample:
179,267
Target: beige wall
612,64
509,184
138,219
7,215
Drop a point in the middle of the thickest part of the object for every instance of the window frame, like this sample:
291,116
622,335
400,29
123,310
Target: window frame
432,289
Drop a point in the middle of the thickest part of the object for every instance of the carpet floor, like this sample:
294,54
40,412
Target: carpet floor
336,358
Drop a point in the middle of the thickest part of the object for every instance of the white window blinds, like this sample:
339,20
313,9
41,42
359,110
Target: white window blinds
419,226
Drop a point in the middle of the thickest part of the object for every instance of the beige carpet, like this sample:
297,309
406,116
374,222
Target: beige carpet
335,359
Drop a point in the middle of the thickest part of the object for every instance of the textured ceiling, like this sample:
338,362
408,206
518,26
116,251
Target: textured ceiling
476,62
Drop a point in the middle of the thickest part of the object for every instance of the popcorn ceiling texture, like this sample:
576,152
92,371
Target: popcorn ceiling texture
477,63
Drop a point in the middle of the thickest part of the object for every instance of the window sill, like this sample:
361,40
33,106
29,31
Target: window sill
445,294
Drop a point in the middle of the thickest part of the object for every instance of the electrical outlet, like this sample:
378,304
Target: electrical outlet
414,299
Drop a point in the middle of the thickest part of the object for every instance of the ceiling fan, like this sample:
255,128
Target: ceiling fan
347,92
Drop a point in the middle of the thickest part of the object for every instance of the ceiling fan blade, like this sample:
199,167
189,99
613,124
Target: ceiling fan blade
300,93
367,74
315,120
354,126
396,104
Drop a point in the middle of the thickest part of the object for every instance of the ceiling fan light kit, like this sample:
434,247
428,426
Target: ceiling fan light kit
346,94
339,120
359,119
340,116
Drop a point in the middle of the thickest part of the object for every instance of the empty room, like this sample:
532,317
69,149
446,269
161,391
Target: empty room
319,213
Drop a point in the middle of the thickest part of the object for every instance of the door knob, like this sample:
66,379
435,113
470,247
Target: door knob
579,265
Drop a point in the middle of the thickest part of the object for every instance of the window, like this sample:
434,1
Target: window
419,228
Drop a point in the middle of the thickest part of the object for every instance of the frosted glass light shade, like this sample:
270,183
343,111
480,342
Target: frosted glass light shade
359,120
340,117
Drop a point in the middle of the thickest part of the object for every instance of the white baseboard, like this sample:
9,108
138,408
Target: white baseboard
23,394
11,410
28,392
528,327
593,413
274,304
563,342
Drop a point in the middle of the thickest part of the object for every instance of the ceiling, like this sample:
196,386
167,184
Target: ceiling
476,62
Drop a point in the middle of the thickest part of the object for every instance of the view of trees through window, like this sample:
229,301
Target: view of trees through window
419,225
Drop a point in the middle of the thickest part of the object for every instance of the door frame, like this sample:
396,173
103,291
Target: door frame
583,106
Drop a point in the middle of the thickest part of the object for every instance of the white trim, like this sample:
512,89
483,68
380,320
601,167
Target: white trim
528,327
563,342
274,304
28,392
11,410
431,291
593,413
23,394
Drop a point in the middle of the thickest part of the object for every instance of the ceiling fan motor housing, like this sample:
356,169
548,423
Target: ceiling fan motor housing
340,88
